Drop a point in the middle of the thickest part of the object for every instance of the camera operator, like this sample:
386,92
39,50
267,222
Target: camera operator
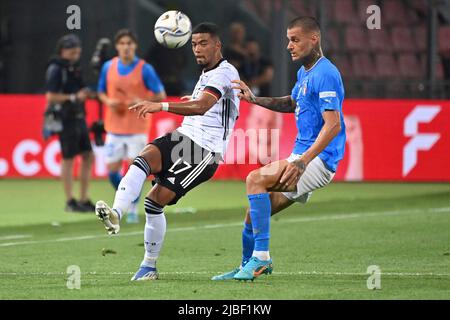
65,89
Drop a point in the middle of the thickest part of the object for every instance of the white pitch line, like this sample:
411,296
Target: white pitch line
15,236
297,273
355,215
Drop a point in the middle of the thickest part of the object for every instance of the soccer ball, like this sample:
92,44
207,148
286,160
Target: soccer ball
173,29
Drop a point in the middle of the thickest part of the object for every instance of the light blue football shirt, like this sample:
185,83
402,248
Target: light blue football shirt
317,90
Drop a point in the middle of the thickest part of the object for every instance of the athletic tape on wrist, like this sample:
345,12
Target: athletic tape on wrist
164,106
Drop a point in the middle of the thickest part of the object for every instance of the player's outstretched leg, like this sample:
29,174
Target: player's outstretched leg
129,190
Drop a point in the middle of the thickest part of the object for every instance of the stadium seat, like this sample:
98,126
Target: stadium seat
356,39
413,17
439,69
410,66
344,65
379,40
420,37
344,12
439,66
386,66
419,6
362,66
444,40
423,64
402,40
301,9
393,13
331,41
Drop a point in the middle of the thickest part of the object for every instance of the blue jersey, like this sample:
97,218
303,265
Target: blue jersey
317,90
149,76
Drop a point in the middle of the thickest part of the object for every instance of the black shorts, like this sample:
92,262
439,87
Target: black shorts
74,138
185,164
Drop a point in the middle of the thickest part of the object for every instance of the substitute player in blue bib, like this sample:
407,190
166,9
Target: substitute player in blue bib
316,100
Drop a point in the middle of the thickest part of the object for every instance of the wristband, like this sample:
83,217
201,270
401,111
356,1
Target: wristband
73,97
164,106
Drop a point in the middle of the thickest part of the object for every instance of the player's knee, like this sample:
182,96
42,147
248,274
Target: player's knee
152,156
152,207
254,178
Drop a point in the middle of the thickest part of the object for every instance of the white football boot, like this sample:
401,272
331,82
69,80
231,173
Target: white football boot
145,274
108,216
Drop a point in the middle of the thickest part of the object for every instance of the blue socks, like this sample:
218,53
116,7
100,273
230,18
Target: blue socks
248,243
260,214
114,178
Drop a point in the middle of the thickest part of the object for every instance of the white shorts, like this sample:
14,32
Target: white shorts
123,147
316,176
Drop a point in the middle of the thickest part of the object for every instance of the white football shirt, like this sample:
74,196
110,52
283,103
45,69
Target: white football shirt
212,130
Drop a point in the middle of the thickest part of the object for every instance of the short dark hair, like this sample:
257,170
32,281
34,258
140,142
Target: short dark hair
68,41
308,24
125,33
207,27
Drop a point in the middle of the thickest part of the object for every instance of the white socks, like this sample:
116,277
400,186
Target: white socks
154,232
261,255
155,227
131,185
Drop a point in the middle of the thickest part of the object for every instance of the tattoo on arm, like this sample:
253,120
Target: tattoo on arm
278,104
300,164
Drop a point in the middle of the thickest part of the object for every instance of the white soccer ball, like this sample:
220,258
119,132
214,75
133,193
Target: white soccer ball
173,29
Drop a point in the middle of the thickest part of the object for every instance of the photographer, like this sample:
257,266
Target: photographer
66,93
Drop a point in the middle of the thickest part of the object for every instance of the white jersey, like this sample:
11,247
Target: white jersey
212,130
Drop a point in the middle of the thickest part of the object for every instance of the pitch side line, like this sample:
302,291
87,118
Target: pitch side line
15,236
236,224
297,273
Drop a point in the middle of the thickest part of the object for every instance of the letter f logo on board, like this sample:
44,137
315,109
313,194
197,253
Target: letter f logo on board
418,141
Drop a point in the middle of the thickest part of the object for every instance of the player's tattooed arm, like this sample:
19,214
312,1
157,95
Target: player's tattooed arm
278,104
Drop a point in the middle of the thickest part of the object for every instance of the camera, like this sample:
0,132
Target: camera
99,57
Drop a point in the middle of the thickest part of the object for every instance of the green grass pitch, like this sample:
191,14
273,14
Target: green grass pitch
320,250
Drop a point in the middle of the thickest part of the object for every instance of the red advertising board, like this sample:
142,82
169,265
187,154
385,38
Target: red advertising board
390,140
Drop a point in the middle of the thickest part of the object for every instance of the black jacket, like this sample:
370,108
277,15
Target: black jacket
62,77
